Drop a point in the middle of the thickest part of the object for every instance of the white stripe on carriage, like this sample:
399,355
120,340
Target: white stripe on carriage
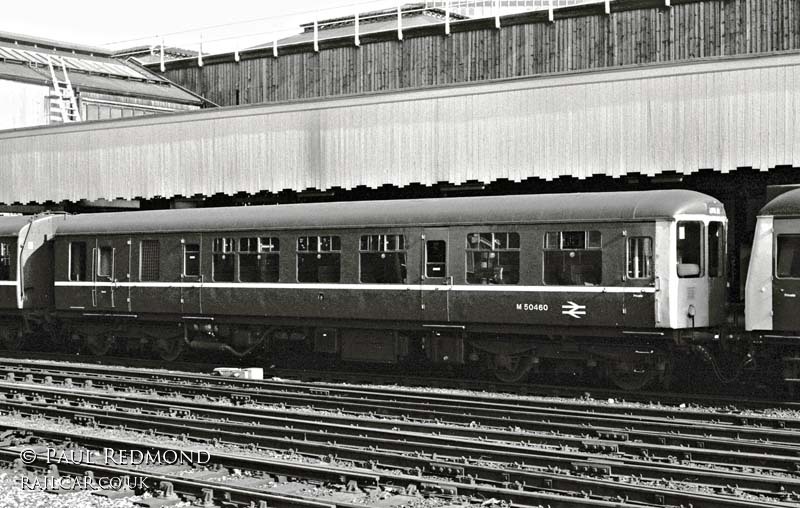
502,288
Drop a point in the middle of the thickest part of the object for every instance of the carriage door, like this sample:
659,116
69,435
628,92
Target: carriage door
693,287
191,287
638,278
110,267
717,271
786,275
435,275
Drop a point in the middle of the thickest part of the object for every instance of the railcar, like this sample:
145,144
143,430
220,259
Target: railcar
26,275
772,290
613,281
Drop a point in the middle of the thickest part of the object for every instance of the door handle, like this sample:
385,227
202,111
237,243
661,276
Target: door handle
790,295
638,295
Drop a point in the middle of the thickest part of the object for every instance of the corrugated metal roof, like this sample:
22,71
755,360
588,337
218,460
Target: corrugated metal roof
18,71
521,209
32,40
94,72
719,114
162,91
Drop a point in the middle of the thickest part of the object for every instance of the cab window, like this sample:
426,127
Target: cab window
690,249
788,257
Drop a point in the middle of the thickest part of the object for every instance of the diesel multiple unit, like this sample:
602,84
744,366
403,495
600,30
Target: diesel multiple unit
619,282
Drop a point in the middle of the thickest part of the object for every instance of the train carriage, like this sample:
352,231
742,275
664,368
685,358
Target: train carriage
26,274
507,280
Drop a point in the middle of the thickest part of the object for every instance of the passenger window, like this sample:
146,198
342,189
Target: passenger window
259,259
573,258
77,261
5,261
492,258
222,260
640,257
383,259
690,249
436,259
788,257
318,259
716,249
149,260
191,260
105,262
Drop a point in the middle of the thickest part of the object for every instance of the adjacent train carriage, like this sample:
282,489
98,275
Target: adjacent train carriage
506,281
26,274
772,308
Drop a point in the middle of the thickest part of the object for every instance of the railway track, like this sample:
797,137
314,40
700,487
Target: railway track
493,442
405,380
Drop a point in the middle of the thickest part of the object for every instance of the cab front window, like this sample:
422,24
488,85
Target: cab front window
690,249
788,257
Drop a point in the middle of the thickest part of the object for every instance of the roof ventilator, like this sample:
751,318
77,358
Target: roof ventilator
63,103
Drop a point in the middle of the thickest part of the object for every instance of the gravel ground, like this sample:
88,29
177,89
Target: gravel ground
12,495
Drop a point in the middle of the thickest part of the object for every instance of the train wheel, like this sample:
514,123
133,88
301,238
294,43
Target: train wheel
512,368
632,376
169,349
99,345
12,338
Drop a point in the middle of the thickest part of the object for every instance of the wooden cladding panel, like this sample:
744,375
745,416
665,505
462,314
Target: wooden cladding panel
588,40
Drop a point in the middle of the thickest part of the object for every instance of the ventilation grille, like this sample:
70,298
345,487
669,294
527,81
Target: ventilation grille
150,260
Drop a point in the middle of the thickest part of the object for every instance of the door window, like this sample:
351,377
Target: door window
716,249
105,262
640,257
5,261
436,259
77,261
191,260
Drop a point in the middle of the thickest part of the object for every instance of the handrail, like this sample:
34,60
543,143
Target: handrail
448,12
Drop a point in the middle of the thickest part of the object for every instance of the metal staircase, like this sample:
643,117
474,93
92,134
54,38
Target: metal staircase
63,103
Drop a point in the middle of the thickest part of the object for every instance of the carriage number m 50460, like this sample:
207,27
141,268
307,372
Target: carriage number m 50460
538,307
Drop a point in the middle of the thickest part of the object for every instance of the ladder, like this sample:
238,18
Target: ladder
63,103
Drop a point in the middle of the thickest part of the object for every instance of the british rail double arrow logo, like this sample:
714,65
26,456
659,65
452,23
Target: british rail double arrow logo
573,309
